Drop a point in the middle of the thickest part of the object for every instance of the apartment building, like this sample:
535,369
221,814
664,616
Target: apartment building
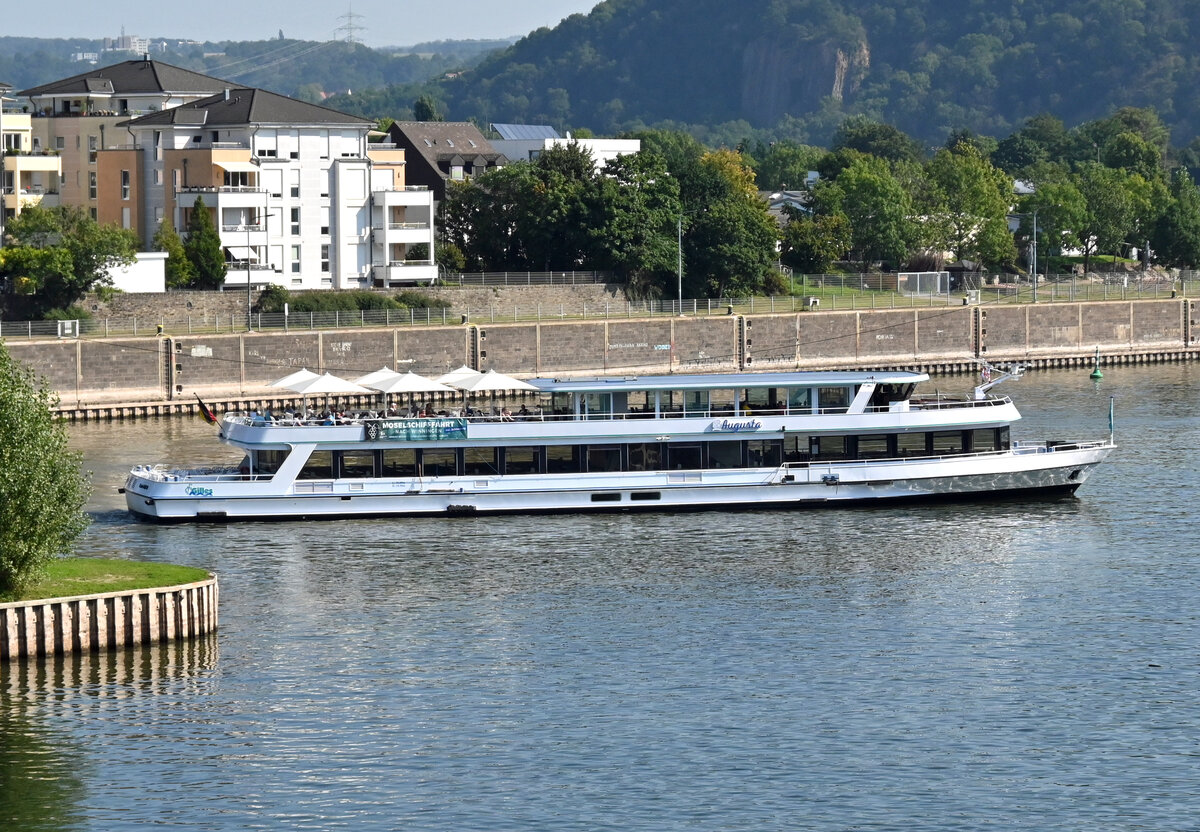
77,117
300,197
28,176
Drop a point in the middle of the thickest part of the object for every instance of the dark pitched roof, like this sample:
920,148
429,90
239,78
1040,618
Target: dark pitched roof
131,78
445,140
247,105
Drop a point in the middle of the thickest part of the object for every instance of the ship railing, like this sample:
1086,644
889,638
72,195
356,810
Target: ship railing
212,473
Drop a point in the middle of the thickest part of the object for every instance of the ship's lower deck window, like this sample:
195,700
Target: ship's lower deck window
724,454
355,465
480,462
268,462
399,462
439,462
318,466
603,458
522,460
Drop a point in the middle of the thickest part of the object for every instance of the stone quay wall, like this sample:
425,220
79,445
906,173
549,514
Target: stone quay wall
84,623
239,366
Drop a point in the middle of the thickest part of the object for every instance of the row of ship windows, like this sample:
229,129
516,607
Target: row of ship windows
641,456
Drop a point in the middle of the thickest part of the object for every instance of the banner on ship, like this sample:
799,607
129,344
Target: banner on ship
430,430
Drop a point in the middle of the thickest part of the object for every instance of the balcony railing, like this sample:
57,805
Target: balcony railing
220,189
402,226
244,228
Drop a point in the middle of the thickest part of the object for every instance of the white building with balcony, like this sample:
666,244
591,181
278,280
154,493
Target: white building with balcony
299,196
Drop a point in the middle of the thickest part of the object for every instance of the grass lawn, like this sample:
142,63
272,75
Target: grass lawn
87,576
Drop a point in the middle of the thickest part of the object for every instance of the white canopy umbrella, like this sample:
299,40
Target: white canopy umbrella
326,384
293,378
409,382
491,382
382,374
463,373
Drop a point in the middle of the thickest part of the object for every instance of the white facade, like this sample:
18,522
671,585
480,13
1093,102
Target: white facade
602,150
301,206
146,274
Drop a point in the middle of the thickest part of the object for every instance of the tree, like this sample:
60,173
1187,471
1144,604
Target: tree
180,272
876,139
203,248
42,489
974,200
635,210
1111,210
1176,237
811,243
879,210
68,232
426,109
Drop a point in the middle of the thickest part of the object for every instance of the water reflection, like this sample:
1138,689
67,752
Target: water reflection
45,765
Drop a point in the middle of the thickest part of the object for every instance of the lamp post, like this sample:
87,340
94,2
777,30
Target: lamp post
1033,256
679,228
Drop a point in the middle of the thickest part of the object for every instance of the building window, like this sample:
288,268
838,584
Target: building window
325,258
158,176
91,184
295,259
295,192
296,222
92,149
125,185
125,217
60,142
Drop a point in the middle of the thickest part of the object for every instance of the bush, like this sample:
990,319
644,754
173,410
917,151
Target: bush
71,313
42,487
272,299
408,299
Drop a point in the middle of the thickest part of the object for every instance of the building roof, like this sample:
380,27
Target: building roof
526,132
131,78
247,105
441,141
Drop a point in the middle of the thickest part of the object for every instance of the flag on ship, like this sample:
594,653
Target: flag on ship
208,415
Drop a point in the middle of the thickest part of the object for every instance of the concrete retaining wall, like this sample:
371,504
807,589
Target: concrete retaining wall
100,372
114,619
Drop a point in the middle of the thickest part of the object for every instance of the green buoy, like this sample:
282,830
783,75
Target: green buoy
1096,374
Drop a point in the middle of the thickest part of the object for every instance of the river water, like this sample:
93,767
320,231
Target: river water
1025,665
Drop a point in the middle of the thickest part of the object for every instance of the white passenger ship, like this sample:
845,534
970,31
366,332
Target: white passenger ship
660,442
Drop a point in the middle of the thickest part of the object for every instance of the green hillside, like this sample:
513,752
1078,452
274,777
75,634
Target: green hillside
797,67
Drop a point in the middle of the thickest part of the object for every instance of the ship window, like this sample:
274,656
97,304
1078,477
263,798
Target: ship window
684,457
479,462
603,458
720,402
439,462
560,404
318,466
400,462
268,462
562,459
725,454
828,447
695,402
763,401
800,400
357,464
947,442
521,461
765,453
1003,440
597,405
910,444
983,440
873,446
645,457
833,399
795,448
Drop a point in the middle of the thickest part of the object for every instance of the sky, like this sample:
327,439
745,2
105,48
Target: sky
379,22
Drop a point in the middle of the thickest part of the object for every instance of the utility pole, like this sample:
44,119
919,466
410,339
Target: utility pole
350,27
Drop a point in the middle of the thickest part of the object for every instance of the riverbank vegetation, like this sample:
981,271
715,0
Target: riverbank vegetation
65,577
42,486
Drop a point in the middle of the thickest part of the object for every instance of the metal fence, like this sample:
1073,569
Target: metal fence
525,278
811,293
